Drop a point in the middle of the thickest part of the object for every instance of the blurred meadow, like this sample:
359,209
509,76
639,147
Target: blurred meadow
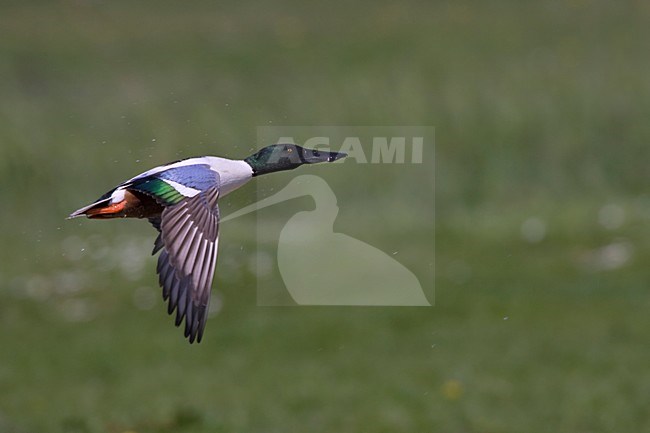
542,233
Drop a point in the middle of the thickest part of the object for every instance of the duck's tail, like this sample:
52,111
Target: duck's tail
102,208
91,208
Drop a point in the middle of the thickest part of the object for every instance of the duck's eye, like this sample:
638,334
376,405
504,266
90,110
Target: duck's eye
289,149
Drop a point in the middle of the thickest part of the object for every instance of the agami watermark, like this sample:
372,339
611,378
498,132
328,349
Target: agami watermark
319,266
383,150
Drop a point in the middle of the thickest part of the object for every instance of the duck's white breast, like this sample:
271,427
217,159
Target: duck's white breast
232,173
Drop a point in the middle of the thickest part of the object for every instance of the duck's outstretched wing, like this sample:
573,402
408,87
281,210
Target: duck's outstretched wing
189,236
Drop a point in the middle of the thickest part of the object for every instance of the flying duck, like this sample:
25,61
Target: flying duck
180,200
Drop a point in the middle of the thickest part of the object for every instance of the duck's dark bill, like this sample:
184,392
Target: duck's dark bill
314,156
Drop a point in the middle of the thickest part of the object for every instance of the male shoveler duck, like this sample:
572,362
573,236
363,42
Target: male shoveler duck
180,200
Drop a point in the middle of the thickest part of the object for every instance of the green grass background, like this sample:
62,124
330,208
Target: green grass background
541,111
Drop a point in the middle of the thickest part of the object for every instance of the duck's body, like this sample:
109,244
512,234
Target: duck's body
146,195
180,201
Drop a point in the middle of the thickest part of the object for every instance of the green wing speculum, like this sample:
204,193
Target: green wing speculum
160,190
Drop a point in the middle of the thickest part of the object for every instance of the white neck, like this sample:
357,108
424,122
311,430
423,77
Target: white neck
232,173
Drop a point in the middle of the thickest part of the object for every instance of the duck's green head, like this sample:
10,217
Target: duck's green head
279,157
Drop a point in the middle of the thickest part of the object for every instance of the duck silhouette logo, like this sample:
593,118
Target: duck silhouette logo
309,249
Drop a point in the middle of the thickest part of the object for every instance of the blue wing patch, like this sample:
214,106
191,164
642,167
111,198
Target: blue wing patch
197,176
